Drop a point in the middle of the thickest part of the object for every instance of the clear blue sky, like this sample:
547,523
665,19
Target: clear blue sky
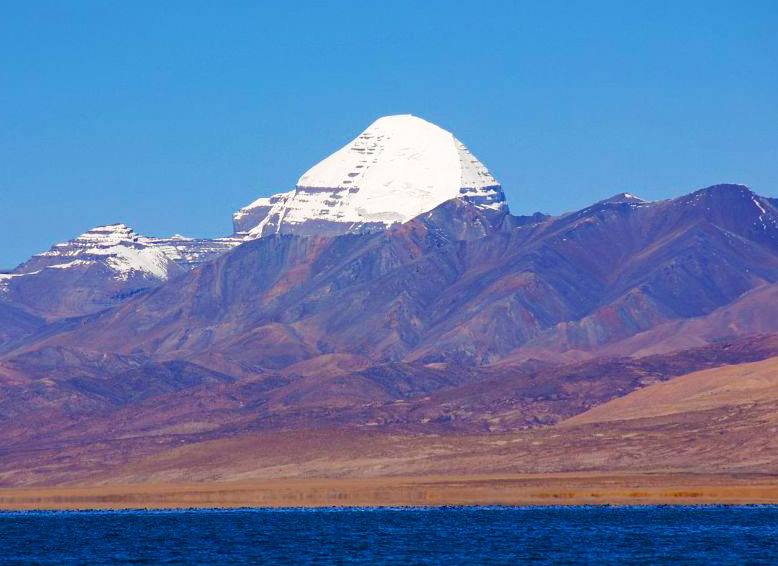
171,115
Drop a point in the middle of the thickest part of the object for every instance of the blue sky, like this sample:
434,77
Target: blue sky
170,115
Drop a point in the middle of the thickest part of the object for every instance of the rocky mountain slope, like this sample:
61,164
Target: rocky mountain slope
429,291
17,324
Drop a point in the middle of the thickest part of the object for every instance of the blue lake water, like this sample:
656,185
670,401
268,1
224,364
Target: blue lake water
546,535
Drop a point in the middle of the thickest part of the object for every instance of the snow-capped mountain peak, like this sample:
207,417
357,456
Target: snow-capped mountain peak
115,247
101,267
399,167
127,254
625,198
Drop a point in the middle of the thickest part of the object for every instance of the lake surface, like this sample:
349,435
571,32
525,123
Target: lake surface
545,535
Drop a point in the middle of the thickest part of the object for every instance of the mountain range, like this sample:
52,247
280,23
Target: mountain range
391,294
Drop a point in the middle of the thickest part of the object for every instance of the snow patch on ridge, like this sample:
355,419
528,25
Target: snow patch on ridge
759,206
625,198
125,254
115,246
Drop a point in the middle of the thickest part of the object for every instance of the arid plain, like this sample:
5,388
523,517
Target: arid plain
704,437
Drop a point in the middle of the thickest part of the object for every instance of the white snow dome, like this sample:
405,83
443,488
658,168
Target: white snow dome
399,167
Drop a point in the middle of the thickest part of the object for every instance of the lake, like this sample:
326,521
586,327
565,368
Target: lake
541,535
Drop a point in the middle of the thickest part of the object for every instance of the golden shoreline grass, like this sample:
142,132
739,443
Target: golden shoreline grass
525,490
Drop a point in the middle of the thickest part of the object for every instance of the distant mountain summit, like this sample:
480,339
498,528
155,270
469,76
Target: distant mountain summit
114,247
101,267
398,168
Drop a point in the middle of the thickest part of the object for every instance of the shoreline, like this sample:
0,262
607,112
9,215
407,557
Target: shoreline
420,491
